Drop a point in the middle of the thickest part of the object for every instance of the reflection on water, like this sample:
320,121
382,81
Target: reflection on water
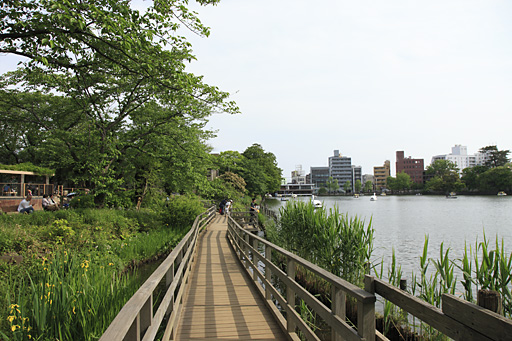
402,222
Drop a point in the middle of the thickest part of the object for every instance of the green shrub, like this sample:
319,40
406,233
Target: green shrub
82,201
182,210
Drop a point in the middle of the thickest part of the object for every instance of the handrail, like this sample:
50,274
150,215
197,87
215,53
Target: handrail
247,248
458,319
136,320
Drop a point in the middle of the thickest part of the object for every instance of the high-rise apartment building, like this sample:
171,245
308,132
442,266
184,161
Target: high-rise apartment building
340,168
459,156
413,167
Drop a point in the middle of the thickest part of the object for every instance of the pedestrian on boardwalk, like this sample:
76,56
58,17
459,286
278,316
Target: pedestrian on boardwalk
228,206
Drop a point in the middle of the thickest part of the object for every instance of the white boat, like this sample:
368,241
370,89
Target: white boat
451,195
501,194
373,197
316,203
294,196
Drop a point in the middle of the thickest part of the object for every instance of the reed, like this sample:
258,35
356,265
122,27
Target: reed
332,240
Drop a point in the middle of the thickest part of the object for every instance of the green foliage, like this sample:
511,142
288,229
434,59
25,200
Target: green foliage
29,167
104,98
444,177
69,286
402,182
82,201
331,240
182,210
332,185
495,157
260,171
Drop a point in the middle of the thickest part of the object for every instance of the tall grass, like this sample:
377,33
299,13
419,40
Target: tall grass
70,298
332,240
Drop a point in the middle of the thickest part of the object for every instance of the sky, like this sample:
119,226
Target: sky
363,77
366,78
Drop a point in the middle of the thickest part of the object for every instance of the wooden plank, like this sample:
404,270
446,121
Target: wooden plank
221,302
483,320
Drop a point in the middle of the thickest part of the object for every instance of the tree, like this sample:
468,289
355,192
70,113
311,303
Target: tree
444,177
100,99
471,176
260,171
402,182
347,186
357,186
496,179
496,158
368,186
332,185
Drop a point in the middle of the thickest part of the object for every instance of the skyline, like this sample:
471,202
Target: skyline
367,79
364,78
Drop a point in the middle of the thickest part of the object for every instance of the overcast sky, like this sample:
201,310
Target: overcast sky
365,77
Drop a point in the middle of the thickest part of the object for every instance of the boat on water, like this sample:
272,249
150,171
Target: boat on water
502,194
356,195
451,195
316,203
373,197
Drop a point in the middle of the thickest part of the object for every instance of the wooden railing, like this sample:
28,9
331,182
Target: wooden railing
255,253
137,320
458,319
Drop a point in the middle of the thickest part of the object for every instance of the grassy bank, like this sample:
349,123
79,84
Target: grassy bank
72,280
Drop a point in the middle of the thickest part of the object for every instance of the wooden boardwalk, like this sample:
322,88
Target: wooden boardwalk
221,302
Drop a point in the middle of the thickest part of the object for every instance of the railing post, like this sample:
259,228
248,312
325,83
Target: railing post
169,278
366,312
246,250
146,315
338,307
255,260
268,273
290,295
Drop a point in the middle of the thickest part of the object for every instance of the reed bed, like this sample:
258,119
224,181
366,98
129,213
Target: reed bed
344,246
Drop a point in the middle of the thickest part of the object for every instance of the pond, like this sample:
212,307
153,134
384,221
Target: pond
402,222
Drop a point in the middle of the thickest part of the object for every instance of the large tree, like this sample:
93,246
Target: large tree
101,99
260,171
444,177
496,158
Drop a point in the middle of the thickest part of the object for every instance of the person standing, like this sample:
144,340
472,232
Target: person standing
254,211
228,206
222,206
24,206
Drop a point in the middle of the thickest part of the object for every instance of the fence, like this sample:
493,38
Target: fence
138,320
458,319
17,189
254,252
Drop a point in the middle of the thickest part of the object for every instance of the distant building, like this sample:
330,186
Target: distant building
413,167
459,156
381,174
340,168
319,176
298,176
356,175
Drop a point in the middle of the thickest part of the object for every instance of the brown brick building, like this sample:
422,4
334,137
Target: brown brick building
413,167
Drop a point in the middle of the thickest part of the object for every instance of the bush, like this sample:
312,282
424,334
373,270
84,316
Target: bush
82,201
182,210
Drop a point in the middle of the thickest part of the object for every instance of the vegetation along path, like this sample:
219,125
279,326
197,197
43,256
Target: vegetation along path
221,302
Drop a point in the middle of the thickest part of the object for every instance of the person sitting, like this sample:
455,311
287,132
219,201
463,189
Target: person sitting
24,206
53,206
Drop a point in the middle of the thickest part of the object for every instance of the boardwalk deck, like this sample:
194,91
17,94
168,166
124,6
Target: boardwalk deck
221,302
